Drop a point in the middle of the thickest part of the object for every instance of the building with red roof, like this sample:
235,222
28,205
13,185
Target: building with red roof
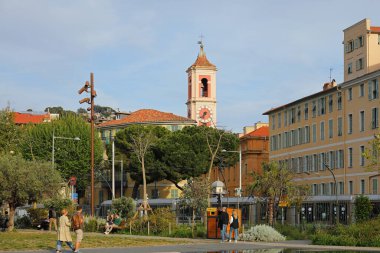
254,144
30,118
144,117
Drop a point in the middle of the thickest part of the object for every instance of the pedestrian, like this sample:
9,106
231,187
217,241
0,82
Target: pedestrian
234,225
64,232
52,218
78,222
224,219
5,222
116,222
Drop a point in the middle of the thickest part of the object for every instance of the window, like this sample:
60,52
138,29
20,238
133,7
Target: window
361,115
273,122
331,103
174,193
362,156
292,116
340,155
350,187
359,64
340,126
350,157
349,68
350,123
375,118
307,134
322,161
306,111
204,87
314,109
315,189
361,90
314,133
314,166
322,131
361,41
322,106
279,119
285,118
349,94
362,186
331,129
341,188
339,98
349,46
374,186
373,89
298,113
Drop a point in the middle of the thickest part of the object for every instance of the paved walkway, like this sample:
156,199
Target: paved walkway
208,245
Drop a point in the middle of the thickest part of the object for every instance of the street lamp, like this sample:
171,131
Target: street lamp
218,190
336,192
239,190
58,137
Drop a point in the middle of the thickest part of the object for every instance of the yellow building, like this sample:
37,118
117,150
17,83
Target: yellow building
332,128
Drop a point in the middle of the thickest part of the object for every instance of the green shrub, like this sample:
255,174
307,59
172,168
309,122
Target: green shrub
363,208
201,231
160,219
92,224
124,206
293,232
37,214
182,231
23,222
364,234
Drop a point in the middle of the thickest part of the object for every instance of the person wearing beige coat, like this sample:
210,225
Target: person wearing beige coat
64,234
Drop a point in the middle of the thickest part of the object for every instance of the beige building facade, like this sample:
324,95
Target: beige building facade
332,129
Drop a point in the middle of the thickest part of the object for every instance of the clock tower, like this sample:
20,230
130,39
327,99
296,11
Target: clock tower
201,90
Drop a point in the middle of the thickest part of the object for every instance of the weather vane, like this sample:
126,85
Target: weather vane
200,42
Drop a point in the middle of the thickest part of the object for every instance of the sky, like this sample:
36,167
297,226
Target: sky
268,53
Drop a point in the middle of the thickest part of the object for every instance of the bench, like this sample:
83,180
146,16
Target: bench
123,225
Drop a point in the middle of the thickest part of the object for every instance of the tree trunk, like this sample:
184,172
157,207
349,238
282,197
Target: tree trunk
11,222
193,223
145,199
271,202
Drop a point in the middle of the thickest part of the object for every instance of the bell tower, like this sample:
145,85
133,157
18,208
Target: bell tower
201,84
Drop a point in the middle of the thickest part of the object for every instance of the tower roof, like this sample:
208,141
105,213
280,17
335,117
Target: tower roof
202,60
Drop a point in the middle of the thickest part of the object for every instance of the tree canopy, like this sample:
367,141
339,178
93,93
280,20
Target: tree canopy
71,157
23,181
10,134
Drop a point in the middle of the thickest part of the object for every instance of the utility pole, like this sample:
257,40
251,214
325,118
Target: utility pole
90,100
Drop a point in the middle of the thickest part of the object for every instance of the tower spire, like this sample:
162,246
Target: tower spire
200,42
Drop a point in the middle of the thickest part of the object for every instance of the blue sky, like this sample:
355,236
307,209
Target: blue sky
267,52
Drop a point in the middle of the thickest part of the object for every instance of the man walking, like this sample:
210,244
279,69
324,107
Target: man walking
52,218
224,222
78,221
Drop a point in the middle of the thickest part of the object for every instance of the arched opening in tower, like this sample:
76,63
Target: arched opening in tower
204,87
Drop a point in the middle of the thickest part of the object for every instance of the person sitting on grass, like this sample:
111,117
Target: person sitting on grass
116,222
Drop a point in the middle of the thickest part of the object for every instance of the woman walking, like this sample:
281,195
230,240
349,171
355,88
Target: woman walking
234,225
64,232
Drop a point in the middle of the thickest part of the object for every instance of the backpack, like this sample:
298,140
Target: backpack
76,220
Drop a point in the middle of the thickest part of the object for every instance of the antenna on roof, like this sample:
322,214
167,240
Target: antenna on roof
331,69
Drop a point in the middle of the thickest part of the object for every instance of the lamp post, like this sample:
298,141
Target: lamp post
336,193
58,137
113,171
239,190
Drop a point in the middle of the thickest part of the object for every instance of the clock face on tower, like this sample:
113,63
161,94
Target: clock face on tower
204,114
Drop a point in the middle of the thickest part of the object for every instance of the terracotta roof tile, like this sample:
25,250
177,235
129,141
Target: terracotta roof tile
260,132
202,60
147,116
25,118
375,29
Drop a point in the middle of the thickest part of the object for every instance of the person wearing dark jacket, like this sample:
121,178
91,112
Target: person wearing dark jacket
223,221
234,225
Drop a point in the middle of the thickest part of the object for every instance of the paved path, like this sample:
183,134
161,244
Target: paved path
207,245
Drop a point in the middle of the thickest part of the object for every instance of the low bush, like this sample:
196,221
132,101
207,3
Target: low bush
293,232
23,222
92,224
359,234
262,233
36,215
182,231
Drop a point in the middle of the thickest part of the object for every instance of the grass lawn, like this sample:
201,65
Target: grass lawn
33,240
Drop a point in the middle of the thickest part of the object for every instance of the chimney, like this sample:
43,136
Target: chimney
329,85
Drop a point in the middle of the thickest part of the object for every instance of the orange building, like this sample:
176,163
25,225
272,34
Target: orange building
254,151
